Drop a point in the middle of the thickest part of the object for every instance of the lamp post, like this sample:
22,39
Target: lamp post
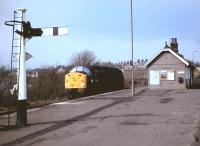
132,77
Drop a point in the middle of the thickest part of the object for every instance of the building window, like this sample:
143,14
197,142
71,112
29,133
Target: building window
167,74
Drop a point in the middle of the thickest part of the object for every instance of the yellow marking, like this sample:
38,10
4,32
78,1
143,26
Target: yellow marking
75,80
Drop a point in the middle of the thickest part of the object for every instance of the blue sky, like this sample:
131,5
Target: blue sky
103,26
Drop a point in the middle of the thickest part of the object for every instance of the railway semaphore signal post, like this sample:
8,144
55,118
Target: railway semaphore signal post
22,30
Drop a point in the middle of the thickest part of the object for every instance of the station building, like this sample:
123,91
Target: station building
169,70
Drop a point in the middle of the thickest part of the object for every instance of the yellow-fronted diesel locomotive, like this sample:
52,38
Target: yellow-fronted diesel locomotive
87,80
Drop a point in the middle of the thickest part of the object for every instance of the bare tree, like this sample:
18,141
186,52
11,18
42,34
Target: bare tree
48,85
84,57
4,84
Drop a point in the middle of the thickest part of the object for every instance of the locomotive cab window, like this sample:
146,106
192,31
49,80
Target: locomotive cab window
81,69
73,70
86,70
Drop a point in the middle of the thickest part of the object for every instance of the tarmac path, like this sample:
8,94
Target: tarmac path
150,118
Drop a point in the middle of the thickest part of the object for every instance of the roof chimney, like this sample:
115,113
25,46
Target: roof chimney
174,45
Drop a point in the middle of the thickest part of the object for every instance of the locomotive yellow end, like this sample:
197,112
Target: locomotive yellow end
75,80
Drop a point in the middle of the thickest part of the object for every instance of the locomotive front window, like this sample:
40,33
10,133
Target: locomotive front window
86,70
73,69
81,69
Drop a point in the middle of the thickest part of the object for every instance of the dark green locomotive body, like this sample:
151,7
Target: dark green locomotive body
99,79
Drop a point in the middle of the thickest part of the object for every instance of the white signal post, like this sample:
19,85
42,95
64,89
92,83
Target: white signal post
24,56
22,91
22,70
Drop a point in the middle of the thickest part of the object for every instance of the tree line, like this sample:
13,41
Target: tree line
45,83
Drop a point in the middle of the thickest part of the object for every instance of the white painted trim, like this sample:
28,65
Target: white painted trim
172,52
179,57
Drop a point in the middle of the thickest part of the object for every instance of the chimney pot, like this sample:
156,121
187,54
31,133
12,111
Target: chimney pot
174,44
